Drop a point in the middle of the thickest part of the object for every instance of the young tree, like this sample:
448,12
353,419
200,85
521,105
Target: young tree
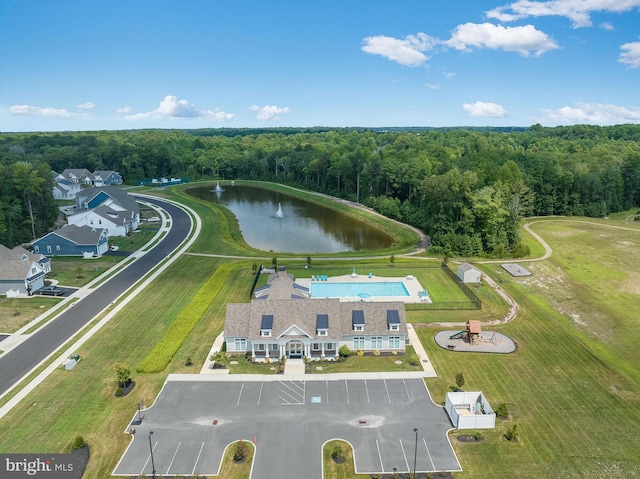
123,374
459,380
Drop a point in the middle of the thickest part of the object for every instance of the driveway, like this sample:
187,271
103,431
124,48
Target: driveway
194,419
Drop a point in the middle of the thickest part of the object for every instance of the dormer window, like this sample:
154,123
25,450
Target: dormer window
266,327
393,320
322,324
357,320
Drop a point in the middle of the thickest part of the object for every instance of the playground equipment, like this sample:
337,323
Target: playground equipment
472,333
459,334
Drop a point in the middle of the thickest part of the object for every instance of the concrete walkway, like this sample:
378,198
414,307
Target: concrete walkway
420,352
294,367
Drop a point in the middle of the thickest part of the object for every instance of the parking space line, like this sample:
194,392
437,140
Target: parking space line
386,389
346,386
240,395
148,458
296,394
260,395
197,459
379,455
404,454
433,466
367,390
327,386
406,389
173,458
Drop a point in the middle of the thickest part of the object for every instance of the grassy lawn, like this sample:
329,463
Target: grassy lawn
17,312
363,364
76,272
237,470
339,470
572,386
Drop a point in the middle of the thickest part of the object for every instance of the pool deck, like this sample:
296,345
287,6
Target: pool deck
410,282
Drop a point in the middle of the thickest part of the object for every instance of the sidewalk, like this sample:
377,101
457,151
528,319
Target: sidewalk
420,352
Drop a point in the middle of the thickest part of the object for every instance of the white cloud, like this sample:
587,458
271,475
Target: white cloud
29,110
596,113
578,11
607,26
433,86
269,112
407,51
524,40
481,108
124,110
630,54
172,108
86,106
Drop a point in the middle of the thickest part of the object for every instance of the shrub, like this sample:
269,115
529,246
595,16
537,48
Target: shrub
337,452
78,443
502,411
512,433
119,392
478,436
376,353
460,380
240,451
360,352
123,374
344,351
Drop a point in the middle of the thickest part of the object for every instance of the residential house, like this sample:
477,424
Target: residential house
73,240
289,324
22,271
469,274
105,178
109,207
80,176
64,189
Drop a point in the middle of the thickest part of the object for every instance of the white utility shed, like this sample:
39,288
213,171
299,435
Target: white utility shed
468,274
470,410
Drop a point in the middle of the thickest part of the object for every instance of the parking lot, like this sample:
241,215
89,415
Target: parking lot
193,421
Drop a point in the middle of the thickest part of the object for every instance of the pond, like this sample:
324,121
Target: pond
274,221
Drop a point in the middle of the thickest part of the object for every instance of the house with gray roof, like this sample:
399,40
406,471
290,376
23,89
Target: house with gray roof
73,240
110,208
286,323
105,178
64,189
21,271
80,176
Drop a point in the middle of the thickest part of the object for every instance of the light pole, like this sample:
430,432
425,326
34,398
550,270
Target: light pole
153,466
415,453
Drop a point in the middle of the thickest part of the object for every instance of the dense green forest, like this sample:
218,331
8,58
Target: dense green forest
465,187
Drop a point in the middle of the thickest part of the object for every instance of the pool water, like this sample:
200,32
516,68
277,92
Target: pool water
361,290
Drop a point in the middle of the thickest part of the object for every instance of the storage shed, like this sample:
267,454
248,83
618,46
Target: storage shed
468,274
470,410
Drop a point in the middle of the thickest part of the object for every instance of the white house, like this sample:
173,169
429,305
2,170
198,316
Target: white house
470,410
22,271
116,220
469,274
296,327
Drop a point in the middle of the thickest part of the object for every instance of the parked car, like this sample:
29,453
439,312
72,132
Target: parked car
51,291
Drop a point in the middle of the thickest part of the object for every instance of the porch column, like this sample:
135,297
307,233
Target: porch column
253,351
307,350
281,350
322,355
266,350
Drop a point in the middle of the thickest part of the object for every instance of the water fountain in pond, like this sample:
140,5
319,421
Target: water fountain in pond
279,213
218,186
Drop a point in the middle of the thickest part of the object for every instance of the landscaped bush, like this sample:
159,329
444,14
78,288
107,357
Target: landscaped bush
512,433
502,411
240,451
164,350
344,351
78,443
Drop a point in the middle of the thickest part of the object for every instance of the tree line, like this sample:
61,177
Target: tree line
467,188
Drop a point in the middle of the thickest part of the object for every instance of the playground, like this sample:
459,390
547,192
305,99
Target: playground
474,339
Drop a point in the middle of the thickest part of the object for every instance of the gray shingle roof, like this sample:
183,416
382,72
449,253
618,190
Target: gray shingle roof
82,235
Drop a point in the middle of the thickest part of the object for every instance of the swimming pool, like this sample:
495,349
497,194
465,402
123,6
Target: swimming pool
361,290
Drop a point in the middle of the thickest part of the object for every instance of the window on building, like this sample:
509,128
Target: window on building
316,346
376,342
358,343
394,342
261,347
358,327
394,327
266,333
57,247
36,249
322,332
329,346
274,347
240,344
48,248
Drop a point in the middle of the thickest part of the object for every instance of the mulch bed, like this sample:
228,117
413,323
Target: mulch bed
128,387
469,438
81,459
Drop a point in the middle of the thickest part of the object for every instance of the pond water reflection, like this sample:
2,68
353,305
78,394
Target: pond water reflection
303,227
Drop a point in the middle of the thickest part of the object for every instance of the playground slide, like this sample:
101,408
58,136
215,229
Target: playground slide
459,334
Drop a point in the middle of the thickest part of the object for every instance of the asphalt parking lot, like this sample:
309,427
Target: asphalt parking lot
289,420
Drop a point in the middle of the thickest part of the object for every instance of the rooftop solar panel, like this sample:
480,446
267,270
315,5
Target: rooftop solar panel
267,321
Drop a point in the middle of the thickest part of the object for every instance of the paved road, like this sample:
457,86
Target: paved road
21,360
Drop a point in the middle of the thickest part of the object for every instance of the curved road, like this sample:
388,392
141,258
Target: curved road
22,359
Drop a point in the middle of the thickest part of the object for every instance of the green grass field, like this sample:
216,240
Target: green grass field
572,386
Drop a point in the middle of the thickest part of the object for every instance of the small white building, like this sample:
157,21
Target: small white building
469,274
470,410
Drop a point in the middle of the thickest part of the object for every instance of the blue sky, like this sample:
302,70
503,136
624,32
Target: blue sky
92,65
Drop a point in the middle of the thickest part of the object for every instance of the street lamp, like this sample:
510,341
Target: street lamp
153,466
415,453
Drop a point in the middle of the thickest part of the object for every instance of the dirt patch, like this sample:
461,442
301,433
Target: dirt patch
631,285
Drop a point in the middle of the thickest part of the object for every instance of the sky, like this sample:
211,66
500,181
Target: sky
128,64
